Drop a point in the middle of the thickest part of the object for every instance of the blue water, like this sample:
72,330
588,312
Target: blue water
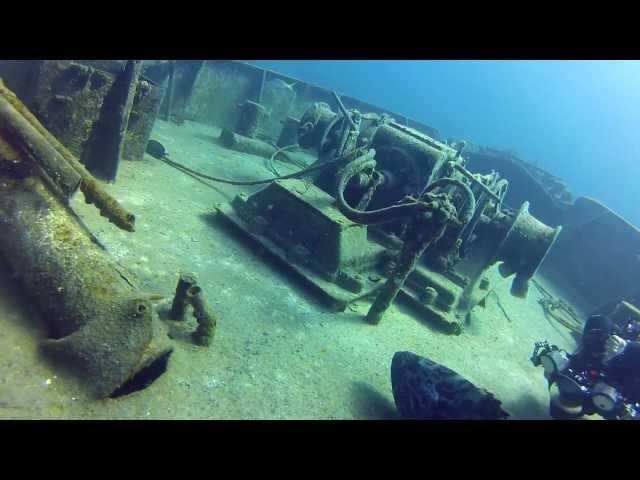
577,119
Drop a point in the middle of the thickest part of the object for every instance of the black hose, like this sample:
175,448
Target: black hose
299,173
369,217
272,166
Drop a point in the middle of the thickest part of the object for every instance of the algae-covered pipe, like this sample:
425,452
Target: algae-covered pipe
92,190
180,300
244,144
189,293
41,155
253,146
207,320
100,323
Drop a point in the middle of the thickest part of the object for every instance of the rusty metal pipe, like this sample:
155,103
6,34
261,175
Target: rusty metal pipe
40,154
101,324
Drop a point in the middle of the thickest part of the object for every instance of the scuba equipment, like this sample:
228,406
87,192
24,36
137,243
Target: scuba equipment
597,329
587,387
550,357
605,397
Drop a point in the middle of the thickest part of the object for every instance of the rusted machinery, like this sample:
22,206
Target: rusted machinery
394,213
101,324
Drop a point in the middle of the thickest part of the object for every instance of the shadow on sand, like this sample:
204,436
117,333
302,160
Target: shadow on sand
212,138
408,309
371,404
527,407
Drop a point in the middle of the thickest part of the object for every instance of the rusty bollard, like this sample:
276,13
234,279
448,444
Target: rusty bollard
189,293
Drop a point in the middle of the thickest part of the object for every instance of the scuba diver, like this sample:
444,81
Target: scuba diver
602,376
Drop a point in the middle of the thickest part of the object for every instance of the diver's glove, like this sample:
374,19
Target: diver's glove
614,346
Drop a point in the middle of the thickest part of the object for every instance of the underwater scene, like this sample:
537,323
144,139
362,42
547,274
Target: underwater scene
319,240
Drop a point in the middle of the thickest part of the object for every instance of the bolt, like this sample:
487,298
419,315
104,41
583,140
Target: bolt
429,295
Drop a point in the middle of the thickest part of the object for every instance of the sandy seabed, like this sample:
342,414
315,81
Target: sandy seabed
278,353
